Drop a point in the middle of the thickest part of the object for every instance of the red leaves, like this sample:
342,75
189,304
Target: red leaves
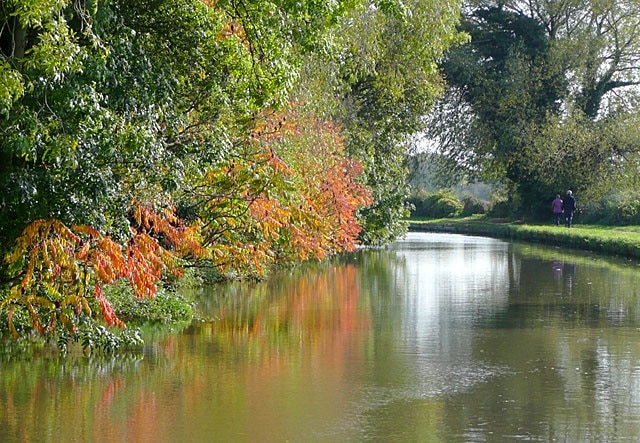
292,195
108,313
58,265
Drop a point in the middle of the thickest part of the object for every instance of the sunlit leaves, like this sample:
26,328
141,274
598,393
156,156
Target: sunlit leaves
37,12
11,86
330,192
291,194
56,52
62,270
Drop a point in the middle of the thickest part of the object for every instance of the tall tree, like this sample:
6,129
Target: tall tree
383,79
532,68
506,78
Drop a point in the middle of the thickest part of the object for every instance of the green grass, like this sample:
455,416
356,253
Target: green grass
621,241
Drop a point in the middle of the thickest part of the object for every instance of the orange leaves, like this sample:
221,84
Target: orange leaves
293,194
328,191
108,313
107,260
243,210
166,225
233,28
146,262
58,266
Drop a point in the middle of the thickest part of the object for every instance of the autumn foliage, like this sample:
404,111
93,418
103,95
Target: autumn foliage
294,195
289,194
63,269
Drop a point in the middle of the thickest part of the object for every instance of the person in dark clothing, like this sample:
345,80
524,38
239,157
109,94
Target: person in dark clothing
569,207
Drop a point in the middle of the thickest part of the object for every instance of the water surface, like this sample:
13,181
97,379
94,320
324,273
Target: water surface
440,338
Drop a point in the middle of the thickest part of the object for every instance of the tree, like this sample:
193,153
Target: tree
598,46
535,68
506,77
383,79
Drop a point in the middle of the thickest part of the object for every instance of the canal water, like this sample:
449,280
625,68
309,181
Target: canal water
439,338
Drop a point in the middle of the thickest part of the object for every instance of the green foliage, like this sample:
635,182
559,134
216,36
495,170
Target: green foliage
595,159
379,82
165,308
473,205
92,335
617,209
441,204
99,339
503,209
542,104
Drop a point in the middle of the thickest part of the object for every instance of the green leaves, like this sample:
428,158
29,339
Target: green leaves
36,13
56,52
11,87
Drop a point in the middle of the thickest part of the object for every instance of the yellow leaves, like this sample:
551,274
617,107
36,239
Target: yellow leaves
233,28
12,328
73,301
67,323
42,302
87,230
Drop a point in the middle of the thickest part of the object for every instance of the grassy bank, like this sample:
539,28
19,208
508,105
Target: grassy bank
621,241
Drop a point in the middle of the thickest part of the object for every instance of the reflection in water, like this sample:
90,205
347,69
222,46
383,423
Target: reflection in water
437,338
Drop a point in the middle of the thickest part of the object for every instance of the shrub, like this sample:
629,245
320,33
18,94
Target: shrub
615,210
473,205
501,209
441,204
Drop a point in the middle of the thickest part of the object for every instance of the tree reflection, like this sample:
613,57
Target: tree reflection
473,340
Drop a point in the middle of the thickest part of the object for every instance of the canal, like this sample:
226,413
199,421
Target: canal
438,338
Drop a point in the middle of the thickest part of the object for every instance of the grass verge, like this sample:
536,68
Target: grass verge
623,241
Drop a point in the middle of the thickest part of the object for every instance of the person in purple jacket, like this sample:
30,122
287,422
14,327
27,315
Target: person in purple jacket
569,207
556,206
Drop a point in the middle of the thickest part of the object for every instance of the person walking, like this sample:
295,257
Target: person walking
556,206
569,207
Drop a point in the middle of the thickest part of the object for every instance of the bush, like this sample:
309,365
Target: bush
473,205
500,209
616,210
441,204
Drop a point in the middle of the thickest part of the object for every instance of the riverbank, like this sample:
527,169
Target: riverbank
169,308
623,241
